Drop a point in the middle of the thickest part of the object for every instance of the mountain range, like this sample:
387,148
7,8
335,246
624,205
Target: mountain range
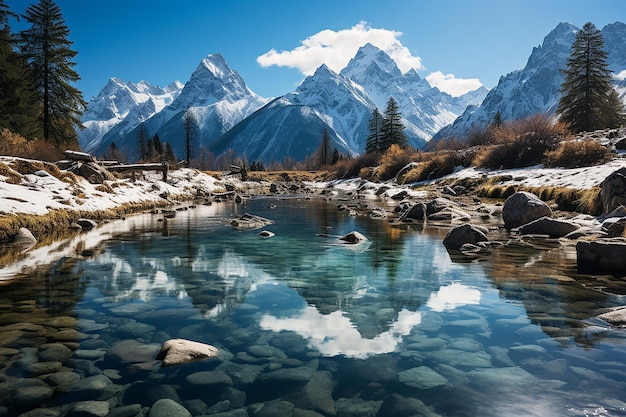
230,116
535,88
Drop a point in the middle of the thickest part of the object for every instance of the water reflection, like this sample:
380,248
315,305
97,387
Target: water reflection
398,320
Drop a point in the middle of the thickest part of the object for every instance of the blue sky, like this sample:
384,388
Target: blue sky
459,44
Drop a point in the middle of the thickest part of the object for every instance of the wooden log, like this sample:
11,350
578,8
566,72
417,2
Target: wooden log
79,156
141,167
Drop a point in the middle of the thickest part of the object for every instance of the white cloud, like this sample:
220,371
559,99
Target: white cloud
452,85
453,296
336,48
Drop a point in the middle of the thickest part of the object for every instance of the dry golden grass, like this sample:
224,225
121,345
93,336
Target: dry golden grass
578,153
565,198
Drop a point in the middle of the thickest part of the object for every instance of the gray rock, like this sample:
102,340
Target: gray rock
23,238
182,351
130,351
353,238
41,368
415,212
90,409
548,226
464,234
421,377
601,255
316,394
94,173
54,352
357,407
397,405
209,379
614,226
250,221
30,396
616,317
62,378
276,409
86,224
241,375
266,233
613,190
91,387
131,410
168,408
288,375
522,208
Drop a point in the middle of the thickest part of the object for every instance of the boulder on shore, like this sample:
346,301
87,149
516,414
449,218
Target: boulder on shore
182,351
613,191
548,226
601,255
464,234
522,208
23,238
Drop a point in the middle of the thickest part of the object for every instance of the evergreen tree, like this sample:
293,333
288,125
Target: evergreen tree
169,153
143,147
18,95
114,153
375,127
335,157
47,49
158,146
587,89
393,128
324,150
191,130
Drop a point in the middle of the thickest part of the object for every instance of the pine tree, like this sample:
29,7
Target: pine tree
587,89
324,150
18,95
158,146
143,147
335,157
393,128
47,49
169,153
375,127
191,130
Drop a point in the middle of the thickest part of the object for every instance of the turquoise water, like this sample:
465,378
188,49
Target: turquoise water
309,326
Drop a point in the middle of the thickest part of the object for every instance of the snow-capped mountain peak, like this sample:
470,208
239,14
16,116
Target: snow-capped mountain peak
122,105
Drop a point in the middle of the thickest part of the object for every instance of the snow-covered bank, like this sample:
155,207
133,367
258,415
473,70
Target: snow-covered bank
40,191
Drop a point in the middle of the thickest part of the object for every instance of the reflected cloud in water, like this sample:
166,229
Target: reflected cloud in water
453,296
334,334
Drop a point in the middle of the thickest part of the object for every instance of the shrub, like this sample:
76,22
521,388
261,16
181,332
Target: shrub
579,153
350,168
521,143
432,165
393,160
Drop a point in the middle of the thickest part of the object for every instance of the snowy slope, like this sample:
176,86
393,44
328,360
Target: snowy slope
215,94
122,105
292,126
535,88
425,109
